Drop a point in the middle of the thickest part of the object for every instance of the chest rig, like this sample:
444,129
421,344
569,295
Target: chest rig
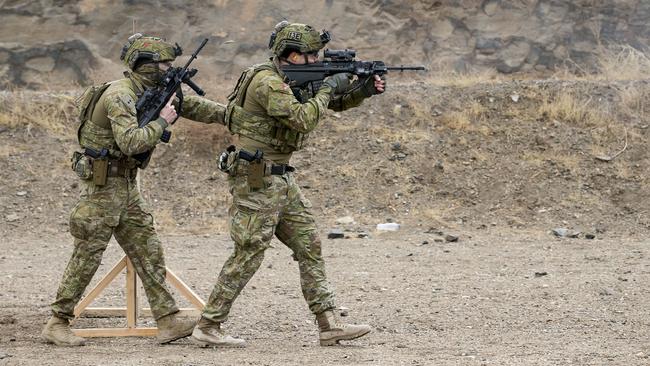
260,127
94,132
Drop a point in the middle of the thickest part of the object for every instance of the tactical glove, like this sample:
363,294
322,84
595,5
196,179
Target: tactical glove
338,82
368,86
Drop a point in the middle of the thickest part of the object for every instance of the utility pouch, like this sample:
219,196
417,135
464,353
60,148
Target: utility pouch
226,160
100,171
81,165
256,174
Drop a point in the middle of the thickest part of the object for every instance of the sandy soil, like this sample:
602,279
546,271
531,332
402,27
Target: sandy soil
492,298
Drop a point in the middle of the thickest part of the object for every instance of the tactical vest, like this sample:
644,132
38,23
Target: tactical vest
261,128
95,130
94,133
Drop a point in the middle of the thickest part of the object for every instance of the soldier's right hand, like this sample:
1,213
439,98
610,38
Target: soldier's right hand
338,82
168,113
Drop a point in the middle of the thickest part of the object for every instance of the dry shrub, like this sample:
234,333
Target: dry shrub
622,63
566,106
634,100
614,62
470,119
50,111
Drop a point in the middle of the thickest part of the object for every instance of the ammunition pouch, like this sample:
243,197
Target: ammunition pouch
82,165
100,171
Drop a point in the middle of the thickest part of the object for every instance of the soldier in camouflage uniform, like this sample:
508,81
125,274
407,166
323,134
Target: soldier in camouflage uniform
272,119
110,202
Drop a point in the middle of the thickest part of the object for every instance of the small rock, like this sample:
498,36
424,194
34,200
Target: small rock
21,193
396,146
451,238
541,274
345,220
438,240
425,242
12,217
335,234
515,97
560,232
363,235
590,236
343,311
574,234
389,226
4,355
12,339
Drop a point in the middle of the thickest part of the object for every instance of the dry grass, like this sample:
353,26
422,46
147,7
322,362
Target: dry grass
26,109
614,62
569,107
622,63
634,100
471,118
445,77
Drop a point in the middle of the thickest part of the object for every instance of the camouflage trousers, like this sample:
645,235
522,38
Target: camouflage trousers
116,208
256,215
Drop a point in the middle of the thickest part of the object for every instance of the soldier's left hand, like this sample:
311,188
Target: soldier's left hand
373,86
380,84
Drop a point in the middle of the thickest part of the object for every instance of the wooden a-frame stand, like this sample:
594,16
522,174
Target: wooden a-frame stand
131,309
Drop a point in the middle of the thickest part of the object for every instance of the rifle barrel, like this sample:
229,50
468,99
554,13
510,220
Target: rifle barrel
205,40
406,68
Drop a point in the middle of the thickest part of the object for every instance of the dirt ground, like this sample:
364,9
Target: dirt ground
493,298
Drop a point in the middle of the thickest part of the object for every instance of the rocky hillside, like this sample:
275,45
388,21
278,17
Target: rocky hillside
45,41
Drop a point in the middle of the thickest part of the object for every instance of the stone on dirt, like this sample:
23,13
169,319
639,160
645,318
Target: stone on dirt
336,234
451,238
345,220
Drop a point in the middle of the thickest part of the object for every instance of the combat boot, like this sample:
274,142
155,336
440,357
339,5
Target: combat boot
57,331
332,330
172,327
209,334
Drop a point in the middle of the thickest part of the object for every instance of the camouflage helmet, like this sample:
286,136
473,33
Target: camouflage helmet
299,37
140,49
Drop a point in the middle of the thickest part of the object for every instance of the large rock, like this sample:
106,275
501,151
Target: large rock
509,36
35,66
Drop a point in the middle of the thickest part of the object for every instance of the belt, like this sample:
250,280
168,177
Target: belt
269,167
118,169
281,169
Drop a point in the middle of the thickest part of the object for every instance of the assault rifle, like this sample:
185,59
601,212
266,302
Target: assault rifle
153,100
310,76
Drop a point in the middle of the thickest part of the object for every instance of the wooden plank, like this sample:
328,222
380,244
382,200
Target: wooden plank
117,268
185,290
103,312
131,295
120,312
116,332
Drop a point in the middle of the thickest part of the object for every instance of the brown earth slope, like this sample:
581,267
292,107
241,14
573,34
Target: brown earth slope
519,154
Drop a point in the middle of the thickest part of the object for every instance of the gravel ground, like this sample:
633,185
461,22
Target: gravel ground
492,298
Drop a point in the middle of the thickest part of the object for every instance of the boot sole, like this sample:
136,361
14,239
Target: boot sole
205,344
169,340
334,341
49,340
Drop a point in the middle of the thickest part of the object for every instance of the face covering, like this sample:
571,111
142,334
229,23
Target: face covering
149,74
